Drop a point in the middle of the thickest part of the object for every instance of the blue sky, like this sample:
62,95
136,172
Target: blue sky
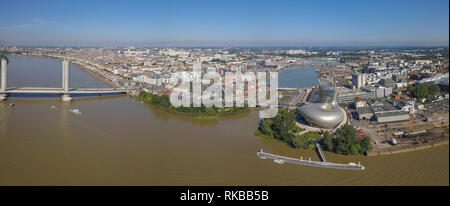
225,23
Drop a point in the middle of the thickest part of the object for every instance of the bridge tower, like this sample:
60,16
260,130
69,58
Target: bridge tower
65,81
4,68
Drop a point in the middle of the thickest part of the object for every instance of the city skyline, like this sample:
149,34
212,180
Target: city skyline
225,23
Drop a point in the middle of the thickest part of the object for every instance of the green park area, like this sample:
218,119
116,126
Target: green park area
283,128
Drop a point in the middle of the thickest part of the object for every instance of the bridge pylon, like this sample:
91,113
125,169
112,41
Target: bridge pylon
4,80
65,81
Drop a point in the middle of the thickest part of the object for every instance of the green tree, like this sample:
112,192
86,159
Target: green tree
305,140
265,127
365,143
345,138
422,91
300,142
355,149
281,126
411,90
327,141
434,89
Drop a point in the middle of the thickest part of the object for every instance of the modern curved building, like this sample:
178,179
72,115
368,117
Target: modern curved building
325,113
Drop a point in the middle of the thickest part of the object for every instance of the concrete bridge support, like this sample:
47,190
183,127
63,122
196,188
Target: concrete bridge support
4,68
65,81
65,75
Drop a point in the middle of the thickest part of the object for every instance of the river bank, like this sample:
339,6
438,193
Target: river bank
402,149
95,75
306,63
80,66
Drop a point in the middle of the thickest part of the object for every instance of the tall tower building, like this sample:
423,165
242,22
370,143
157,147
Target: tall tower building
358,80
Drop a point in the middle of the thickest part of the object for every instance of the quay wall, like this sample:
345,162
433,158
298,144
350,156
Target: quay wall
407,149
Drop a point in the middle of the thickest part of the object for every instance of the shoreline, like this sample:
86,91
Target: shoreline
95,75
407,149
198,116
304,64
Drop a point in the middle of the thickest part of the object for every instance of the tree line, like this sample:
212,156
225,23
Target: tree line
423,90
345,141
283,127
164,102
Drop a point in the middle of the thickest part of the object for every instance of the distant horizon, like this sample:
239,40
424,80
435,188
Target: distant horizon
233,45
262,47
246,23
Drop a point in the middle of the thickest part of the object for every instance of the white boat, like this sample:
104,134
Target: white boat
260,155
279,161
75,111
394,141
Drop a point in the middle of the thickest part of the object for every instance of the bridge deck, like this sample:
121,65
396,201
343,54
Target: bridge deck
42,90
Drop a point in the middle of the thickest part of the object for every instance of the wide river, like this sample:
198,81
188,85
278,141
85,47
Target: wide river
300,76
119,141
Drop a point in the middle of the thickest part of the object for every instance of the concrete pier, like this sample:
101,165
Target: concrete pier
281,159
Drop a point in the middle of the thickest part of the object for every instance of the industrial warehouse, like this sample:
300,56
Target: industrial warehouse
385,111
